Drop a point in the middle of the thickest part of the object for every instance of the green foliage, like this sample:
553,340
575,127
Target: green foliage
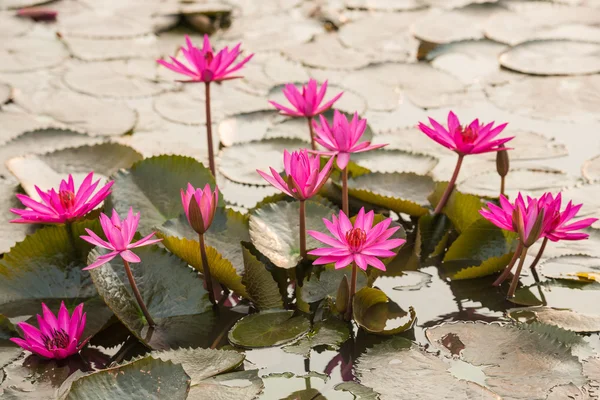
261,287
462,209
376,313
266,329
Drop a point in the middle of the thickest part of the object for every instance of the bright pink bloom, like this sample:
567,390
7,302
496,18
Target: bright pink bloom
119,234
474,138
341,138
204,65
62,207
206,201
557,227
56,337
362,243
308,103
304,177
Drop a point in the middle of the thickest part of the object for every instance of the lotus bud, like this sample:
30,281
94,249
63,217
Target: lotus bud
502,161
343,294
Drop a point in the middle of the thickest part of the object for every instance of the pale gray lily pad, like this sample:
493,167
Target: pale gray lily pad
326,51
88,49
331,333
11,26
561,317
588,196
240,385
553,57
388,366
267,329
383,161
15,124
591,169
5,93
526,365
248,127
531,146
30,53
360,392
242,195
107,25
568,266
384,5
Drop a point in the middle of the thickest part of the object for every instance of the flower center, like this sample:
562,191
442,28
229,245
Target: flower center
67,199
356,238
468,134
59,340
209,56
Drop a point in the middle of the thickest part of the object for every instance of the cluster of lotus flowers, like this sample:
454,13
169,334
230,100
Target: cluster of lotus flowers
359,244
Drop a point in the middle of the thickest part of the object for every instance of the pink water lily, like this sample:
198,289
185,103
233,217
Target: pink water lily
307,103
204,66
56,338
558,226
119,234
206,202
64,206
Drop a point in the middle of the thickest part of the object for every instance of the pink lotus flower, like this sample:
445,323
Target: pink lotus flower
304,179
362,243
56,337
308,103
206,203
119,234
474,138
204,65
64,206
556,225
341,138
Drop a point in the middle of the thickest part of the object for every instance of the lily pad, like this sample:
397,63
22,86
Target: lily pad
462,209
330,333
326,51
268,329
563,318
432,235
376,313
240,385
30,54
395,161
106,25
591,169
88,49
384,5
11,234
247,127
275,233
328,283
359,391
261,287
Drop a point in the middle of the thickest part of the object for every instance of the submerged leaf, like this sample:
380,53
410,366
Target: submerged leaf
267,329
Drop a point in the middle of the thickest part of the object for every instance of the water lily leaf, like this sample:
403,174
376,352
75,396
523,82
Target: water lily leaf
359,391
384,5
152,187
30,54
432,235
481,250
88,49
389,365
107,25
553,57
328,283
247,127
561,317
331,332
267,329
275,233
462,209
399,192
173,293
526,366
11,26
591,169
141,379
260,285
11,234
376,313
241,385
383,160
326,51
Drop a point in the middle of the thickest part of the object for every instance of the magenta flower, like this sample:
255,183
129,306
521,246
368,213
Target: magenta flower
304,177
204,65
341,138
56,337
63,207
557,227
119,234
362,243
308,103
206,202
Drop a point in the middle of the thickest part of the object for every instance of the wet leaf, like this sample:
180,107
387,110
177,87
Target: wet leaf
326,51
275,233
331,333
88,49
432,235
248,127
461,208
561,317
268,329
395,161
107,25
31,377
359,391
30,53
240,385
376,313
328,283
260,285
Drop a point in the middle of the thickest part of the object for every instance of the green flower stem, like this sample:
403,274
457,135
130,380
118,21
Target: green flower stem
502,184
345,191
211,155
137,294
509,267
303,229
69,228
352,291
515,280
206,270
539,254
450,187
313,145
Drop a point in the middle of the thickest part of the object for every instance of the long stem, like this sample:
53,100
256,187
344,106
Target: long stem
502,184
313,145
515,280
450,187
137,294
539,254
345,190
211,155
69,227
510,265
352,291
302,229
206,270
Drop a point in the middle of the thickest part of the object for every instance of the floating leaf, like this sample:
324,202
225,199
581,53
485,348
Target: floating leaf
87,49
591,169
325,51
107,25
376,313
30,53
11,234
328,283
383,160
268,329
261,287
241,385
563,318
462,209
432,235
331,332
359,391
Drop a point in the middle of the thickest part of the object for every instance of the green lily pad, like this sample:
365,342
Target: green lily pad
328,283
462,209
261,287
376,313
432,235
399,192
561,317
481,250
331,332
152,187
173,293
275,233
268,329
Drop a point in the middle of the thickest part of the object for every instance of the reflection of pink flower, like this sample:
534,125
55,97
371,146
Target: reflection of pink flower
557,227
56,337
341,138
206,200
204,65
62,207
119,234
362,243
474,138
304,178
308,103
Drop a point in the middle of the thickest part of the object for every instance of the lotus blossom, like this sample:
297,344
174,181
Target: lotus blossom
341,138
361,243
304,178
63,207
119,234
557,226
206,203
204,65
56,337
306,103
475,138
